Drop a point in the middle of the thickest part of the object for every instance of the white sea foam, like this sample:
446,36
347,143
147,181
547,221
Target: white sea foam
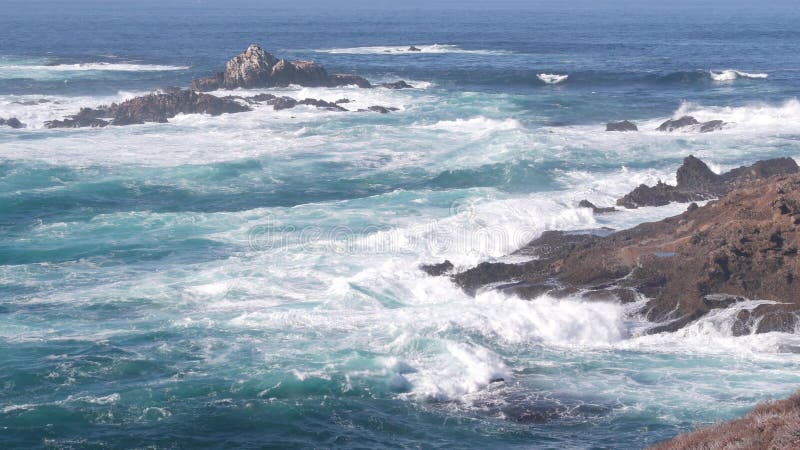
476,125
551,78
730,75
404,50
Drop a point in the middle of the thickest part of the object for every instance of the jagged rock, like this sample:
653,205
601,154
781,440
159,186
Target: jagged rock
743,246
12,122
436,270
400,84
414,49
674,124
621,126
697,182
322,104
595,209
255,68
150,108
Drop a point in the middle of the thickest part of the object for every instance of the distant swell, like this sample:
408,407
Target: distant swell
404,50
93,66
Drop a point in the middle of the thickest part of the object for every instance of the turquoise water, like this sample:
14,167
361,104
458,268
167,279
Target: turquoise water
251,280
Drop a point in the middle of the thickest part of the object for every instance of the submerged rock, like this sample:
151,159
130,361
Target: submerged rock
696,181
382,109
12,122
400,84
257,68
743,246
621,126
414,49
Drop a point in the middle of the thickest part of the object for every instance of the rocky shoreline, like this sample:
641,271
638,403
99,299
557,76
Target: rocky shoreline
253,68
743,246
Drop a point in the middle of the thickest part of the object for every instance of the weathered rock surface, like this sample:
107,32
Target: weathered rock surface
621,126
12,122
256,68
157,107
743,246
697,182
691,122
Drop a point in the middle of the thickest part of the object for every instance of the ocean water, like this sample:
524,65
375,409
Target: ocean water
250,280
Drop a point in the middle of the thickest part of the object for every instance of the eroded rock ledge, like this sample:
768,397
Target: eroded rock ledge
743,246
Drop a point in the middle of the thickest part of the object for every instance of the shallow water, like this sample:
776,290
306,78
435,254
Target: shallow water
251,280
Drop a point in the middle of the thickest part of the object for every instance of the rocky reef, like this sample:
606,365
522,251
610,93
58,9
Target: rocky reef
741,247
156,107
257,68
774,425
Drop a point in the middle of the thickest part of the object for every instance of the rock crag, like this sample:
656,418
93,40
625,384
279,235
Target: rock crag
696,182
741,247
257,68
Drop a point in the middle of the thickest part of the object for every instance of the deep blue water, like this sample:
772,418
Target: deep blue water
251,280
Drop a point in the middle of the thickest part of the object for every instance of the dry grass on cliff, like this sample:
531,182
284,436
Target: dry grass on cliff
773,425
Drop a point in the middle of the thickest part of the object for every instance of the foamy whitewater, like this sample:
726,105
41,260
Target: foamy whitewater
251,280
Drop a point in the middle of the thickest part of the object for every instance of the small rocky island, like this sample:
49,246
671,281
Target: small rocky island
253,68
743,246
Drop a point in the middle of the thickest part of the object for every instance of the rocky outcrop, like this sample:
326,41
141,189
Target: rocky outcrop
695,182
621,126
12,122
414,49
157,107
692,123
771,425
743,246
257,68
